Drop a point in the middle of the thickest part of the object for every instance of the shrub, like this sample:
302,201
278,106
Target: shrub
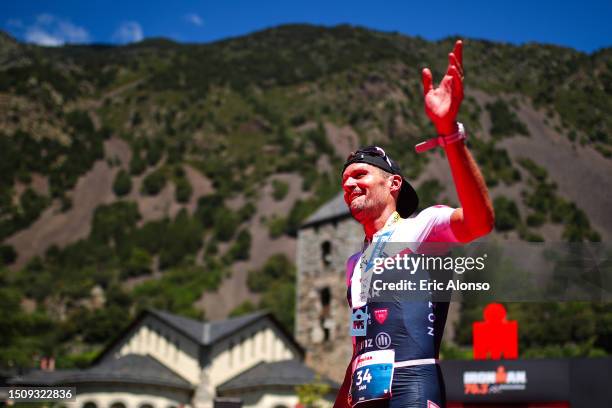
279,189
155,151
80,122
240,249
536,219
526,235
495,163
113,222
246,211
279,298
183,190
101,324
545,201
299,212
154,183
66,202
208,205
504,121
276,226
181,238
138,264
506,214
245,307
136,119
225,224
123,184
211,247
32,204
179,288
277,268
7,254
539,173
309,178
276,281
137,165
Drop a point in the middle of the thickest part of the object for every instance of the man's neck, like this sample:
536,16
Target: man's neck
372,226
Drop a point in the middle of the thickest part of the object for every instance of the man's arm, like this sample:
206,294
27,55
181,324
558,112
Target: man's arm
476,217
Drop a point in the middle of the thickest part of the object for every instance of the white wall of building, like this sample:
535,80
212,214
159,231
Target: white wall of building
262,342
174,350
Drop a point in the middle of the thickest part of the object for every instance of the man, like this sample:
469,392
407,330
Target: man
405,336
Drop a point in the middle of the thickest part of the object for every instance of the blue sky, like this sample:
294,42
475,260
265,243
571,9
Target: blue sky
584,25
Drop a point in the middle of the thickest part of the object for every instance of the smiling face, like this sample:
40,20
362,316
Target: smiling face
368,190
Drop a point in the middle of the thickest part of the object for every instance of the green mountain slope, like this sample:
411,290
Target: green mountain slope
160,174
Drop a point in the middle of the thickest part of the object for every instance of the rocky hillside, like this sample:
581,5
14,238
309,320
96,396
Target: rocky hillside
160,174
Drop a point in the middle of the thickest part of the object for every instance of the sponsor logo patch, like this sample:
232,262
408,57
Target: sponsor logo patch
381,315
382,340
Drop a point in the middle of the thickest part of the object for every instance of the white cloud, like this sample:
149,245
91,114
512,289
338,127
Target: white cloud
51,31
41,37
194,19
73,33
127,32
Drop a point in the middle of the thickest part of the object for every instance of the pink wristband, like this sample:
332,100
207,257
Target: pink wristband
442,140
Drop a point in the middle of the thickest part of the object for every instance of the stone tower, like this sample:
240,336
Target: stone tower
325,241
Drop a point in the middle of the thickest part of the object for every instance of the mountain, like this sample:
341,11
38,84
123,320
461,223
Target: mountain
159,174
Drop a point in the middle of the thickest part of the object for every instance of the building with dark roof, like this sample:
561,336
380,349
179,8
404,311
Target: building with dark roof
162,360
272,379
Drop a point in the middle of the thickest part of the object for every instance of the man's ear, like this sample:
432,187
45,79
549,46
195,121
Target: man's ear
395,183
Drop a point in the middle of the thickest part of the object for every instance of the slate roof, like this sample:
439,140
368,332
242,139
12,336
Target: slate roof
131,368
333,209
210,332
40,377
280,373
203,333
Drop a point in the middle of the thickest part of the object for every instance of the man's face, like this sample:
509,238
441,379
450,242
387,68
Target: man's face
367,190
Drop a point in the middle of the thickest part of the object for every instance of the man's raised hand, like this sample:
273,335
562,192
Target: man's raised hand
443,102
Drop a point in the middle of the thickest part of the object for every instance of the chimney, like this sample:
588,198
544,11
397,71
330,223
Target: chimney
47,363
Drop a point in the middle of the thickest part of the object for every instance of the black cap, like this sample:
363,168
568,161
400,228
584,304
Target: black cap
407,201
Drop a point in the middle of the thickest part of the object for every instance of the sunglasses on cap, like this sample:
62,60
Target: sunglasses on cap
369,151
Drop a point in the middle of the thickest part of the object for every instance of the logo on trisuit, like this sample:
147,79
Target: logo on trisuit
382,340
381,315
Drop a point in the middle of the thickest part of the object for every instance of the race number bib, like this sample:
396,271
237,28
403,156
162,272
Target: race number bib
372,376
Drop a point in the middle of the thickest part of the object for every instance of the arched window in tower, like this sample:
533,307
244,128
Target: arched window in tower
325,316
326,253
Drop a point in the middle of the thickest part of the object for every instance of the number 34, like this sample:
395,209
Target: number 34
366,376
